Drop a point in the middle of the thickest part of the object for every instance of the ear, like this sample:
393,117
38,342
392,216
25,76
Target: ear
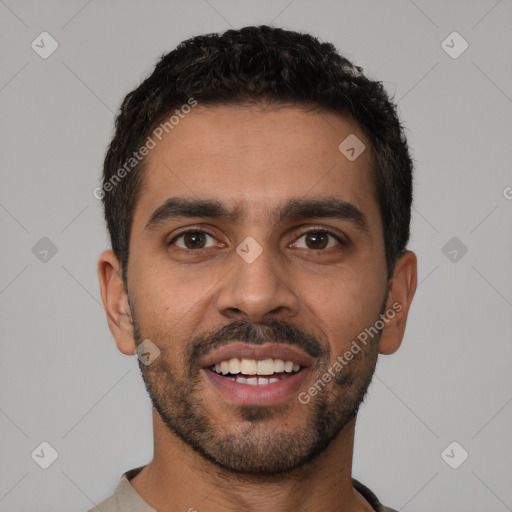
401,292
115,300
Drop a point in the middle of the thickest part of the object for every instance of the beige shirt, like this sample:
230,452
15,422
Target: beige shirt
127,499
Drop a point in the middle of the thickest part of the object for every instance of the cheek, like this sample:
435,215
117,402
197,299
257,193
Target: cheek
169,309
345,306
164,296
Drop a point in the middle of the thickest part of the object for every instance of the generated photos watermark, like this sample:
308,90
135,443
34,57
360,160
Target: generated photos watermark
151,142
341,361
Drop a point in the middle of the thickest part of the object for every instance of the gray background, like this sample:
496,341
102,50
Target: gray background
62,379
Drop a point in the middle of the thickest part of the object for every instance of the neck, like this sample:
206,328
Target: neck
178,478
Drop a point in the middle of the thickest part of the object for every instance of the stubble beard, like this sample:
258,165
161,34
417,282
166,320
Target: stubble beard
255,447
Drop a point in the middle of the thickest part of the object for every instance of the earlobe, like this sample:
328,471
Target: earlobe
115,301
401,292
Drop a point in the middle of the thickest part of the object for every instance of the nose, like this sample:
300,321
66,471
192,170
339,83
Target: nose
258,287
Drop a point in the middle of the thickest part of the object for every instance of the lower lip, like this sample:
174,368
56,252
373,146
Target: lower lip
261,394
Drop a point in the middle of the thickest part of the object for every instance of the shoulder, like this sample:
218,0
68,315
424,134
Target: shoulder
370,497
108,505
124,497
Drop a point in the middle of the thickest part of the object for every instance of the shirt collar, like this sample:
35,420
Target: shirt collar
129,500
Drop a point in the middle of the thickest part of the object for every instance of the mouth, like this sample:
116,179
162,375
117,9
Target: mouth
254,372
256,375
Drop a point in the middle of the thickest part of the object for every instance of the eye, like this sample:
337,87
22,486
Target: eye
315,239
193,239
318,239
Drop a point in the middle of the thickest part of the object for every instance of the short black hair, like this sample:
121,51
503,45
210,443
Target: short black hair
258,65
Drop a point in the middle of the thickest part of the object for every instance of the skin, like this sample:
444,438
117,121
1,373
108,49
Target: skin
257,159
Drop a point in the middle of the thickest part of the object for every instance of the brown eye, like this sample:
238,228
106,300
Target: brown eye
319,239
192,240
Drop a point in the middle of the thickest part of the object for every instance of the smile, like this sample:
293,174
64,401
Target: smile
250,371
248,374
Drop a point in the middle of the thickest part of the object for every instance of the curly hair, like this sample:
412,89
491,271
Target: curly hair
257,65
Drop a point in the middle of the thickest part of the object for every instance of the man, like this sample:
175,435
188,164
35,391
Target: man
257,193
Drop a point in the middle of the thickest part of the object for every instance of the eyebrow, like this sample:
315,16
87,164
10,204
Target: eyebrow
176,208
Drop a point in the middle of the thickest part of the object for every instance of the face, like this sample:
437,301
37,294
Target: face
256,258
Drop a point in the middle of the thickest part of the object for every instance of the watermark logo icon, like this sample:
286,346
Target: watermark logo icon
454,45
147,352
44,250
454,250
44,455
351,147
249,249
44,45
454,455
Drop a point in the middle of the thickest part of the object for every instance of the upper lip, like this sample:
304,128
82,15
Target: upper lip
258,352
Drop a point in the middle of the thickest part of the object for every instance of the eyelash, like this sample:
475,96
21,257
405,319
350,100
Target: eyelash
341,242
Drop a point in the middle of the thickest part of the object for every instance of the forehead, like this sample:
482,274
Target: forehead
253,159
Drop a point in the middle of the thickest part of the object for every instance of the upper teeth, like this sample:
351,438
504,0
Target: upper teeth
254,367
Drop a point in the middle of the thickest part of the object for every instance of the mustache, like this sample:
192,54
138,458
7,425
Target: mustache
258,334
